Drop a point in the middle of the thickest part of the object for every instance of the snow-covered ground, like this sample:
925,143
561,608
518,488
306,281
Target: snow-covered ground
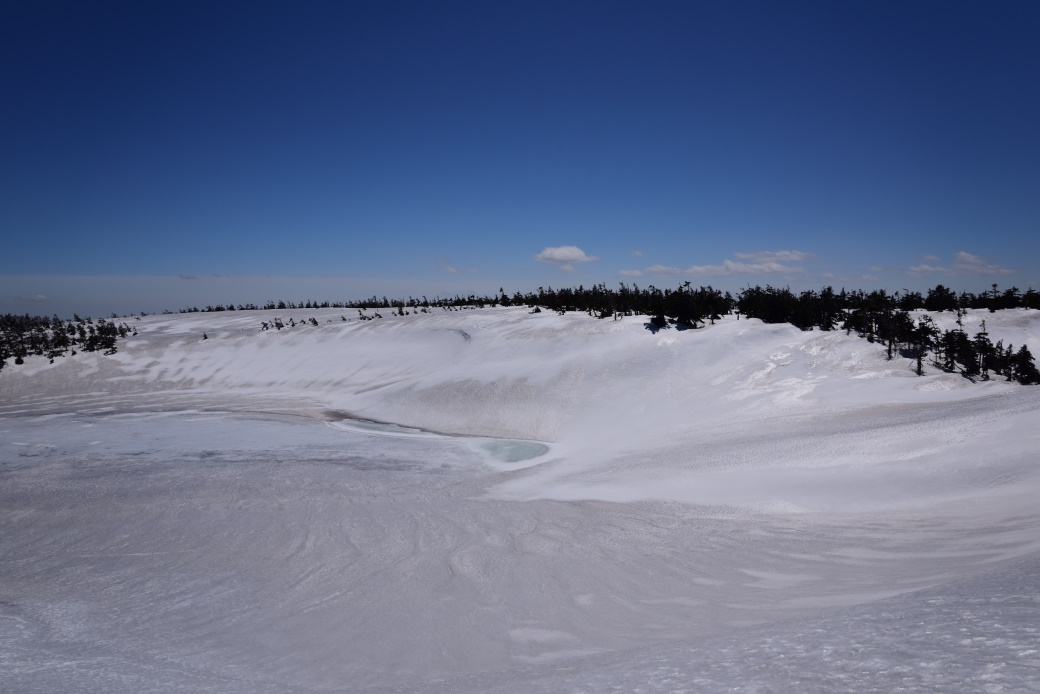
490,500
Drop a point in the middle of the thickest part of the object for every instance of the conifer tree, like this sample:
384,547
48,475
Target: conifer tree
984,351
1025,368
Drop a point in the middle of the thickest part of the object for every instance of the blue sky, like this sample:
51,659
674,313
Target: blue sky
155,155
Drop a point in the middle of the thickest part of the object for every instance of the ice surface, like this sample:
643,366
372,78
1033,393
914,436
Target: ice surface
514,451
497,501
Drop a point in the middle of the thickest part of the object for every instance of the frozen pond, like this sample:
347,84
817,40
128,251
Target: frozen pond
514,451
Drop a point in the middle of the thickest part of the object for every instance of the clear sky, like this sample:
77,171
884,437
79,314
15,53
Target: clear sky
160,154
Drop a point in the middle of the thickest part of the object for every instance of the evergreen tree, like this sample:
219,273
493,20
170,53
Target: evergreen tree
984,352
1025,368
923,337
940,299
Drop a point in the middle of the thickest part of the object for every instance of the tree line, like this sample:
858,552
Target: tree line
781,304
878,316
21,336
882,317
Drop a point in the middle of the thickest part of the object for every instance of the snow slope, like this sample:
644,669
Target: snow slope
740,506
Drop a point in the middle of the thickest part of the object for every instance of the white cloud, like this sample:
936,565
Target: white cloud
637,253
931,258
773,256
968,264
632,273
449,269
564,254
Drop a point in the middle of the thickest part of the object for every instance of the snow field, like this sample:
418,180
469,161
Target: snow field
742,506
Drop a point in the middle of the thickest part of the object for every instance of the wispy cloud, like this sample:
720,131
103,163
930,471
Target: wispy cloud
968,264
663,270
963,264
637,253
632,273
446,266
763,262
730,267
773,256
926,269
564,256
34,297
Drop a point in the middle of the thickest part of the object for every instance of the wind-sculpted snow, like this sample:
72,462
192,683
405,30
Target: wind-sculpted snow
498,501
